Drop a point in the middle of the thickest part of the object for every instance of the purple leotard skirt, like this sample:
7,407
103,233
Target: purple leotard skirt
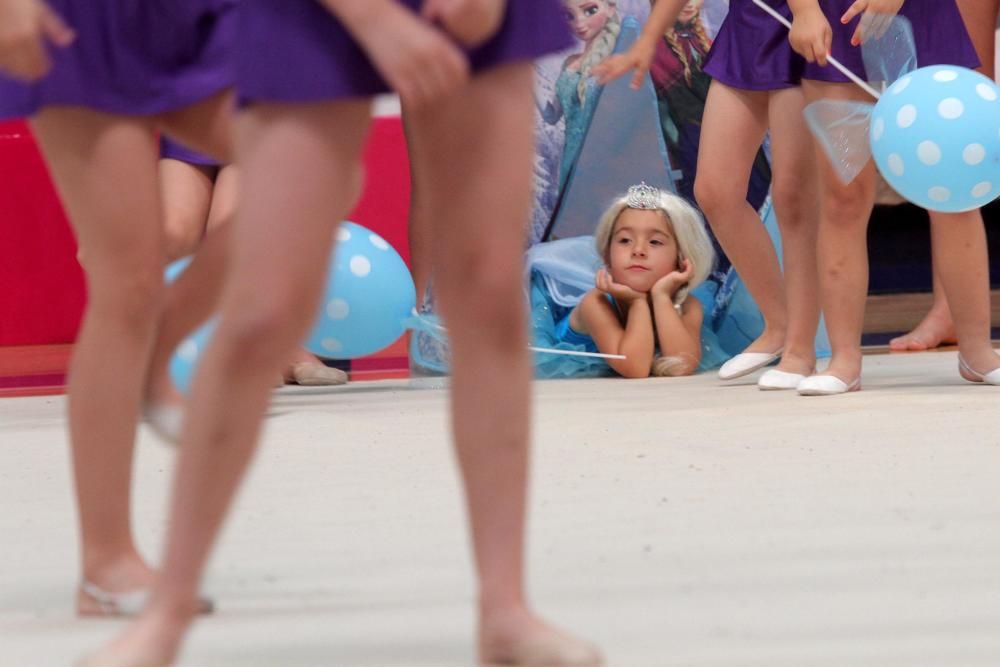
175,151
133,57
752,52
296,51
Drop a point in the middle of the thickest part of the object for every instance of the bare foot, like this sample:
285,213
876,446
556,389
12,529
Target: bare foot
520,638
152,640
934,330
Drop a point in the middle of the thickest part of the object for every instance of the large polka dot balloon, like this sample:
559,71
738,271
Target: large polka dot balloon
935,135
368,298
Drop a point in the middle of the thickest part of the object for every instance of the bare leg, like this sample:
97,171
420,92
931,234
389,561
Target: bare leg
960,244
114,205
733,128
186,190
794,192
280,251
843,248
473,153
206,127
189,302
937,328
421,246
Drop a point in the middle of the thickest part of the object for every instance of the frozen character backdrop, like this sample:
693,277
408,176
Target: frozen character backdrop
593,143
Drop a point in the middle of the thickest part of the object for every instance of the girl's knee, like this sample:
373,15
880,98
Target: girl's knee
848,204
715,194
133,297
264,327
483,294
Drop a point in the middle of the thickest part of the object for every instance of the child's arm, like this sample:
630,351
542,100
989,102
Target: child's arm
597,318
639,57
418,61
877,18
471,22
811,36
26,26
679,334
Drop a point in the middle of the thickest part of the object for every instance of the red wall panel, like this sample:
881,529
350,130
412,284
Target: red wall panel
42,291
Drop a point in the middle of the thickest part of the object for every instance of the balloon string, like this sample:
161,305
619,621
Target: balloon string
574,353
833,61
547,350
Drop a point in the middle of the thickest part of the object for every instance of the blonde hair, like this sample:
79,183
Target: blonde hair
693,243
599,48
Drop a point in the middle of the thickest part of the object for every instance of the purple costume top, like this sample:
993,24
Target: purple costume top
296,51
752,52
133,57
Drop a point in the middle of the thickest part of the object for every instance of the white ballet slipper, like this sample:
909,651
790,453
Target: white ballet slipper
166,420
827,385
746,363
967,372
95,601
317,374
776,380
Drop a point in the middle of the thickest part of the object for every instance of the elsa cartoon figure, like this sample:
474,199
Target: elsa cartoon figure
597,24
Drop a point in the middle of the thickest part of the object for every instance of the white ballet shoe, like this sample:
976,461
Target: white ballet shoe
775,380
827,385
166,420
316,374
967,372
95,601
103,603
746,363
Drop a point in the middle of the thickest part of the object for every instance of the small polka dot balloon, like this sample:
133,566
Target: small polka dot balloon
935,136
368,298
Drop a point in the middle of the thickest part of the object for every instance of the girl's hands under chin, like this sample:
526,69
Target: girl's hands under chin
622,293
669,284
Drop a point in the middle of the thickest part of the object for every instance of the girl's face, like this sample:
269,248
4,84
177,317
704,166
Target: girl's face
690,11
587,17
643,249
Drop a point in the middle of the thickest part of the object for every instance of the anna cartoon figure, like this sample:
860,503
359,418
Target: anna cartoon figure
681,89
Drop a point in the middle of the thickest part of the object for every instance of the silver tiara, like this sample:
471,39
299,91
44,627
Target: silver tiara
643,196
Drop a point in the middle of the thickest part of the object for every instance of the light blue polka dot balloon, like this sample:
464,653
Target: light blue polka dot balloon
185,359
368,297
935,136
